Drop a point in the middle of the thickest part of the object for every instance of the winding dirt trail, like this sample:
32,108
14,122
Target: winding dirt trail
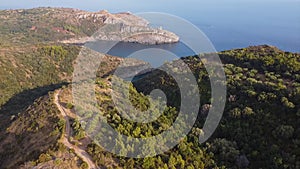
66,138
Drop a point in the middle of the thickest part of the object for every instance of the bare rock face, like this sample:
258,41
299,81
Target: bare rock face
135,33
123,27
67,25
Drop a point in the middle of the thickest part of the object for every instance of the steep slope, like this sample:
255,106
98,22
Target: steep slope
42,137
24,69
65,139
259,128
33,131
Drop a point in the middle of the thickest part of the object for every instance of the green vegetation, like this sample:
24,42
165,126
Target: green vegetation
42,25
25,68
79,133
33,132
259,128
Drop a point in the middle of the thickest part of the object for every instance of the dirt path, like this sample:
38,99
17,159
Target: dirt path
65,140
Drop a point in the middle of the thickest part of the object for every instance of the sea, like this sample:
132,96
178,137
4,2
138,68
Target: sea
227,24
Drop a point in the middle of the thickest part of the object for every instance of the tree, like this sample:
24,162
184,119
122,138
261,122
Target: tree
226,151
172,161
247,111
283,131
235,113
242,161
44,158
70,106
84,165
287,103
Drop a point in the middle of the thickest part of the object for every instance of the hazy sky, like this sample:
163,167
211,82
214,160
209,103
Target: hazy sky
179,6
183,8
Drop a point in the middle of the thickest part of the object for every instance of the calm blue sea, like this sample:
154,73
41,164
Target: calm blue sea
228,24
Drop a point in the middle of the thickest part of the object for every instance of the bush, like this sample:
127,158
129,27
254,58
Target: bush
225,150
284,132
235,113
44,158
84,165
287,103
70,106
247,112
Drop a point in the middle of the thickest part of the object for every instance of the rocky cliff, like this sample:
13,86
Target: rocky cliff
68,25
124,27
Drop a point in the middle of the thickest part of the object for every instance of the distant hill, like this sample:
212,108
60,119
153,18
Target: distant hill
41,25
40,129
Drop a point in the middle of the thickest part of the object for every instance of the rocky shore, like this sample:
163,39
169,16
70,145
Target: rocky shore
124,27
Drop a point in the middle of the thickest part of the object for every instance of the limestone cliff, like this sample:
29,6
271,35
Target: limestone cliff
66,25
124,27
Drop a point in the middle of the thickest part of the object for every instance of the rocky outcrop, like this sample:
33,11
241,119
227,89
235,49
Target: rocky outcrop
135,33
67,25
123,27
108,18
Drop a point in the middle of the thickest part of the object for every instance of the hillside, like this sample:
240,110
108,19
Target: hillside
66,25
42,128
260,122
32,70
258,129
27,135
